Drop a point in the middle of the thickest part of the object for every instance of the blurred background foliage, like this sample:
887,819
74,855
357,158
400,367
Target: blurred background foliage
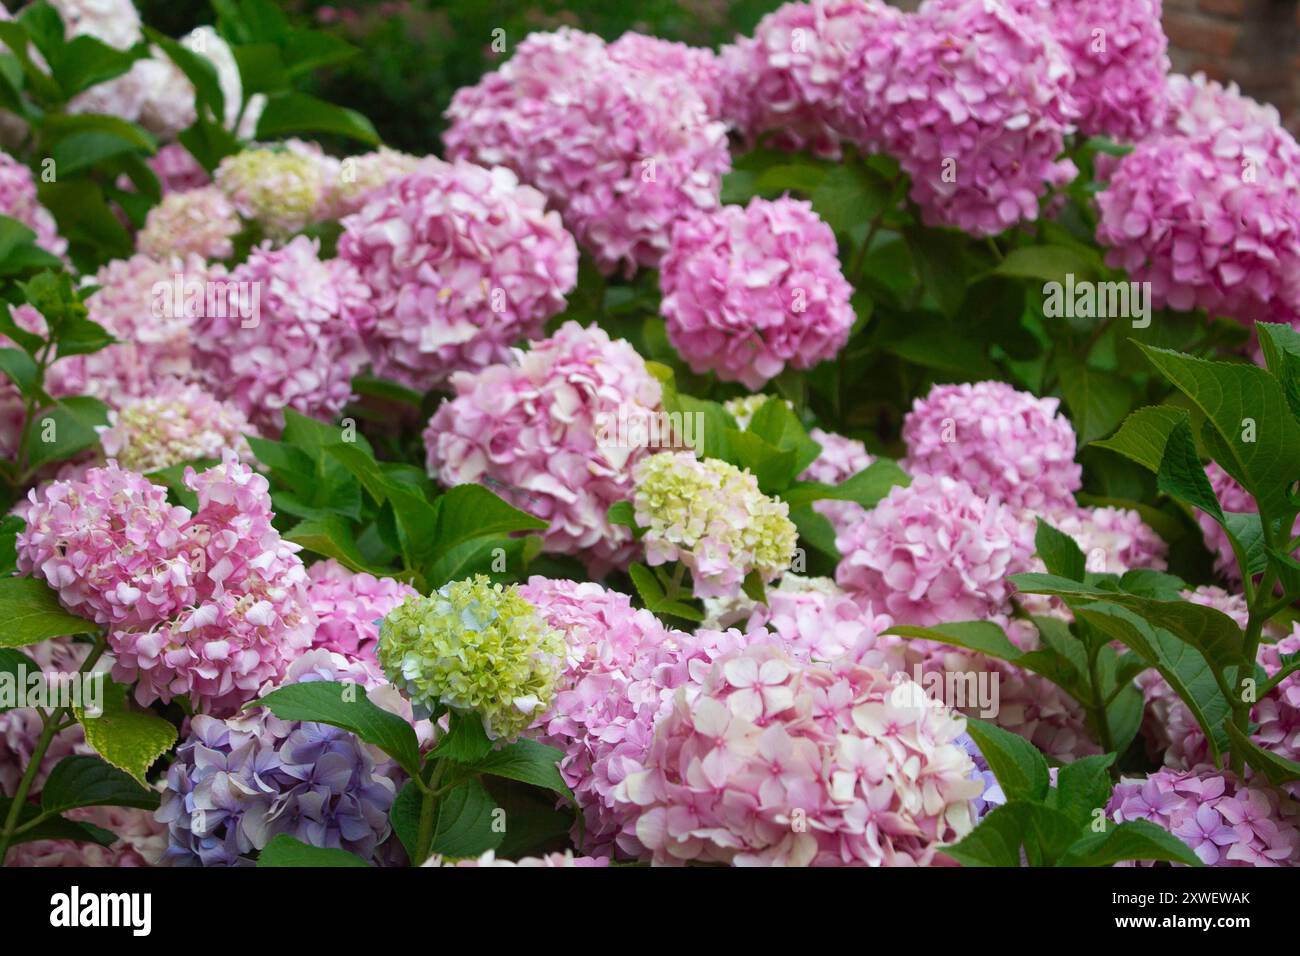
416,53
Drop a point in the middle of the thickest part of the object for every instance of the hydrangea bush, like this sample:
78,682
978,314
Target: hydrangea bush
870,443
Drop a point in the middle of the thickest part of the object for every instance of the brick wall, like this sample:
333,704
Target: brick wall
1254,42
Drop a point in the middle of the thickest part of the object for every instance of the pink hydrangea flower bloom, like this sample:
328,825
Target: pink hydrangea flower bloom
1226,822
557,859
541,431
749,291
287,336
1004,443
110,545
697,67
764,761
1119,53
623,148
1208,224
935,551
826,624
975,105
200,222
361,177
787,81
462,262
181,422
18,201
349,607
177,169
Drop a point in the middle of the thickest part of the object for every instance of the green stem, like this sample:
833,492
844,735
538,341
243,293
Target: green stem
52,723
428,811
1099,708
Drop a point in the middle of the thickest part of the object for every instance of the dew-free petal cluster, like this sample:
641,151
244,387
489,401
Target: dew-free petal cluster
200,222
349,606
748,292
141,841
179,423
710,515
972,98
475,648
280,189
766,761
542,431
622,147
1004,443
1225,821
284,334
462,263
935,551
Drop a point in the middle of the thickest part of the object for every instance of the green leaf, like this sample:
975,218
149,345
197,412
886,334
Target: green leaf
65,429
130,740
87,61
1018,765
983,637
528,762
1182,475
16,666
1144,434
465,740
1060,552
994,842
867,488
10,527
54,828
19,367
1275,768
1281,347
1133,840
777,425
939,256
622,513
653,597
1048,263
31,613
405,817
1098,401
464,822
364,468
284,850
347,706
849,195
1239,401
83,781
1084,786
332,537
290,113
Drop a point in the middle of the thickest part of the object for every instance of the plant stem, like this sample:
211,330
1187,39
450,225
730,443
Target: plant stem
52,723
1099,708
428,806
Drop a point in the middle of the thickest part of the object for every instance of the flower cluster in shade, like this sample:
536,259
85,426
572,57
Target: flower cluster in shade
210,605
141,841
287,334
462,262
1224,820
200,222
349,606
785,84
237,783
766,761
710,516
179,423
973,100
280,189
935,551
1212,221
1003,443
749,292
622,147
18,201
537,431
473,647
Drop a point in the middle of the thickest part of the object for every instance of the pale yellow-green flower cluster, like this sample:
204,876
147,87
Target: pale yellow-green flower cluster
179,423
710,515
473,646
281,190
